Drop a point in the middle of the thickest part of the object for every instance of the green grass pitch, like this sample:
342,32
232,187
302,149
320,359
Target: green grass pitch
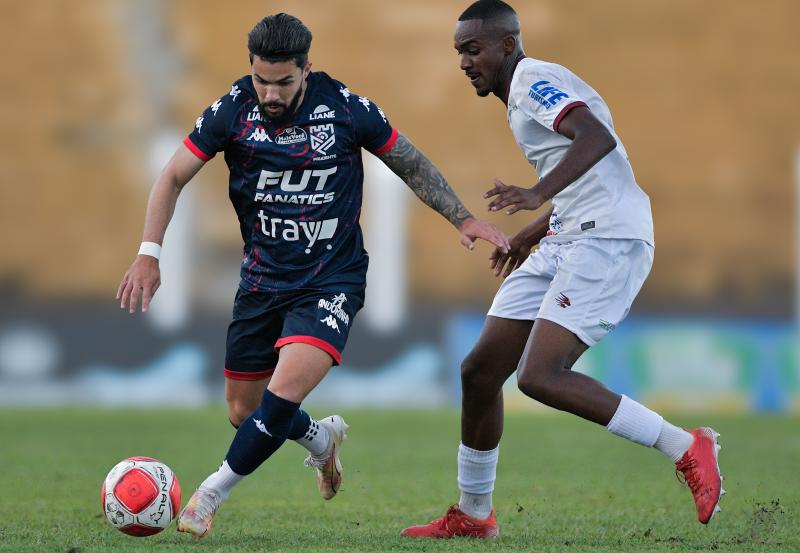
563,485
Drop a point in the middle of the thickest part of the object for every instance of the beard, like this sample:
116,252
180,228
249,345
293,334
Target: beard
283,116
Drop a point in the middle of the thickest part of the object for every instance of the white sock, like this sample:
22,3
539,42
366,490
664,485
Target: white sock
316,439
673,441
477,471
635,422
222,481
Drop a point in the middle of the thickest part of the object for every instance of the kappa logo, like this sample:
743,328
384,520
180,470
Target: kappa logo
259,135
344,91
234,92
548,96
261,427
364,102
199,124
292,135
563,301
380,112
607,326
322,112
322,138
331,322
335,307
216,105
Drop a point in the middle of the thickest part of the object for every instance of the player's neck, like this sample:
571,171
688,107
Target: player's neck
507,73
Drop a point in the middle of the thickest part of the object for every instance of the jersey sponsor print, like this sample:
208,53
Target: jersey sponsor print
296,187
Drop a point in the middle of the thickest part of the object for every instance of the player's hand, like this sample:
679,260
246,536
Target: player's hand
144,277
512,259
517,198
472,229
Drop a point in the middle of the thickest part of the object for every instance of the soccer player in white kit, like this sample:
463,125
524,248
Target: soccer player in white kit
596,250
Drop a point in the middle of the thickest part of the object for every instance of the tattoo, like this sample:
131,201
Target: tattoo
425,180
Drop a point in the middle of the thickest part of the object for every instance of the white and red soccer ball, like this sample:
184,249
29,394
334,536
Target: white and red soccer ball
140,496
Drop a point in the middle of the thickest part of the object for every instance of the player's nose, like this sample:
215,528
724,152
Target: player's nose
465,62
271,94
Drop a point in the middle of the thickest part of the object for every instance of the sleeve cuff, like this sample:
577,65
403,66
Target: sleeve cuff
195,150
565,111
388,145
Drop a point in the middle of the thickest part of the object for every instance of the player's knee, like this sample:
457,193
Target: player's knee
238,411
475,376
535,385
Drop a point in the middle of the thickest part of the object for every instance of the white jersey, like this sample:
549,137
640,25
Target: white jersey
605,202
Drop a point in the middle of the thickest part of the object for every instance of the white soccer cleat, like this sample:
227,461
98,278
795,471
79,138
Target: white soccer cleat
328,466
197,516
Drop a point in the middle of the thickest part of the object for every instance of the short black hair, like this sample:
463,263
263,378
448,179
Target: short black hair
487,10
278,38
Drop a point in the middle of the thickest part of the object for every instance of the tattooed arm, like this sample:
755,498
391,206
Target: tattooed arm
425,180
430,186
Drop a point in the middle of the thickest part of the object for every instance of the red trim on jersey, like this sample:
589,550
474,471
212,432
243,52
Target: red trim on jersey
236,375
566,110
195,150
311,341
389,143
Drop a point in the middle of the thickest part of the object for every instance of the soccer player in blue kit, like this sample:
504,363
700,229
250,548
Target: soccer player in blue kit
292,140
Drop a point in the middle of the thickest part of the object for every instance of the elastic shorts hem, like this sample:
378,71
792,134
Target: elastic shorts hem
242,375
311,341
496,313
582,336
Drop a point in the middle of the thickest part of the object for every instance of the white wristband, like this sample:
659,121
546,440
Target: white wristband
150,248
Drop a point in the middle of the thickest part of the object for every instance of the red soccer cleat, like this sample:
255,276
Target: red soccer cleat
455,523
700,469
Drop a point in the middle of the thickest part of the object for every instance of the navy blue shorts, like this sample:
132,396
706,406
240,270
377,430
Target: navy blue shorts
264,322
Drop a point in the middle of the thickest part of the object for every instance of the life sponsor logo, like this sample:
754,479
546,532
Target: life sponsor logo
323,137
546,95
322,112
291,135
289,230
335,310
293,183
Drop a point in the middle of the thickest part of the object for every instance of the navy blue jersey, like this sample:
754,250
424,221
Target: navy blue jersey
297,187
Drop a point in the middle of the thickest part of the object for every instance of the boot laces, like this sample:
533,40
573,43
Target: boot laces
686,474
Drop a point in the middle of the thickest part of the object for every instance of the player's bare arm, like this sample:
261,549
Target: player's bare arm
521,245
144,276
591,142
430,186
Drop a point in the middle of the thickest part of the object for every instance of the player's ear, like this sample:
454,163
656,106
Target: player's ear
509,44
307,70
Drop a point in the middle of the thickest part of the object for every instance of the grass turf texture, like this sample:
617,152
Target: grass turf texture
563,485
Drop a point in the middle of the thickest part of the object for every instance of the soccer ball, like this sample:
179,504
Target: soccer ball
140,496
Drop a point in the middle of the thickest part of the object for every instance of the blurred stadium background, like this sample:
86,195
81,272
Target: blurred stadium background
97,93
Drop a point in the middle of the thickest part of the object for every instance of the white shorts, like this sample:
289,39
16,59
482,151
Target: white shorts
587,285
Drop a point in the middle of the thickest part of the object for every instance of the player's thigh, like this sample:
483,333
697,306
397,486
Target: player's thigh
320,322
496,354
300,368
550,348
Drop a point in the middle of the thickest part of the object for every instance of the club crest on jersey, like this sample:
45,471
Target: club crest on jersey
291,135
322,112
548,96
323,137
